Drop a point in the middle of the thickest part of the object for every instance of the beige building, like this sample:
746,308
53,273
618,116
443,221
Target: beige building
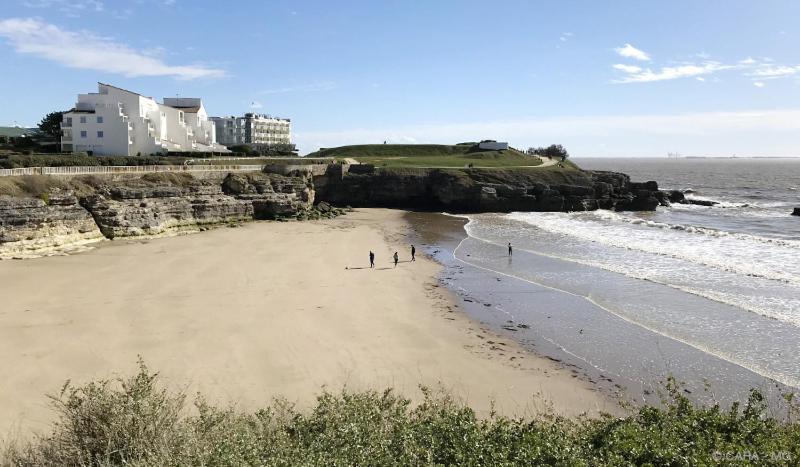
253,129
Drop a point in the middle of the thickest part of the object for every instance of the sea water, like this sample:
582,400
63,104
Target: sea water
710,295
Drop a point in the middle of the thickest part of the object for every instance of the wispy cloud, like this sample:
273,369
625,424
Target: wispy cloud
566,36
256,105
628,68
72,8
669,72
756,70
759,84
85,50
629,51
768,71
312,87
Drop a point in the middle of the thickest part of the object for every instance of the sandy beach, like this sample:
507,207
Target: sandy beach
266,309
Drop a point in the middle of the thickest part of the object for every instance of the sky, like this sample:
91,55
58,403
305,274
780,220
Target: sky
622,78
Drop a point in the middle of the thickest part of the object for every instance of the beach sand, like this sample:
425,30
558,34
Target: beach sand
268,309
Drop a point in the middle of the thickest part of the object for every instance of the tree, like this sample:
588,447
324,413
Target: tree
556,151
553,151
51,124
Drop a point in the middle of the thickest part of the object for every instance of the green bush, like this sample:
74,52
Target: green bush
135,422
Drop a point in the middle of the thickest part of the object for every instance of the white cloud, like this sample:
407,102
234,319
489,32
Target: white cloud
759,84
707,133
628,68
256,105
629,51
671,72
312,87
72,8
757,70
772,71
565,36
85,50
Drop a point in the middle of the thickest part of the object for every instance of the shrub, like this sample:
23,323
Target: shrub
134,422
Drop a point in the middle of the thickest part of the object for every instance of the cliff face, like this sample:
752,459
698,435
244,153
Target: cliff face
480,190
158,204
145,206
31,227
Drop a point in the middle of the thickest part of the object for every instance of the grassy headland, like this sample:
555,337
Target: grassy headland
429,155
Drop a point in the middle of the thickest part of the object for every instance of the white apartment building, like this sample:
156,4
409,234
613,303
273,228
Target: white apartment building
117,122
253,129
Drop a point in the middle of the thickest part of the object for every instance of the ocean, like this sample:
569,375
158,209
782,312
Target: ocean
708,295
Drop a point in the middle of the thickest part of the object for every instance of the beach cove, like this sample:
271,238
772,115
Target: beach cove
267,309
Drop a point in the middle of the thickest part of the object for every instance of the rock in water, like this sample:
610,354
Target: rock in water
796,212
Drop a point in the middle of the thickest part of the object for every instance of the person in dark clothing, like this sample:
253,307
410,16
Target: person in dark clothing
510,250
396,259
413,253
371,259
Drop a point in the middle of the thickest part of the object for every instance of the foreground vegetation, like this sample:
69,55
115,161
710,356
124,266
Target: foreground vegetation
136,422
429,155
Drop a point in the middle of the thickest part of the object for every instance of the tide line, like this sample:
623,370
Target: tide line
720,355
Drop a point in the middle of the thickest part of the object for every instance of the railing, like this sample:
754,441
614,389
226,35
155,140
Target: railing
116,169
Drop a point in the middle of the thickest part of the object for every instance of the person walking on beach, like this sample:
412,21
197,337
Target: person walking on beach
413,253
371,260
396,259
510,250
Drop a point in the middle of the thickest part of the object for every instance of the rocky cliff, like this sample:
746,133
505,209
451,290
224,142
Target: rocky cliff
488,190
31,226
150,205
62,213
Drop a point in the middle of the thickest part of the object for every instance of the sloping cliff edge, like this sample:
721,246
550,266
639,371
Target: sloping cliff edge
44,215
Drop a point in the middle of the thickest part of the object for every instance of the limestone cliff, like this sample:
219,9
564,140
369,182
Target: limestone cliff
486,190
33,227
150,205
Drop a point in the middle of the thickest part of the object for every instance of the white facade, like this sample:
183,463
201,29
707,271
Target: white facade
117,122
253,129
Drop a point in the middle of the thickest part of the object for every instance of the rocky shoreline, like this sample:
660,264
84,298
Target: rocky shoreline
491,190
162,204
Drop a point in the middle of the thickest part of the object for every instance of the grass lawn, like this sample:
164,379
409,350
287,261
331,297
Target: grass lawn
429,155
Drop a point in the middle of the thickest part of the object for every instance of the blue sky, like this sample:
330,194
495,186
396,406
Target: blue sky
621,78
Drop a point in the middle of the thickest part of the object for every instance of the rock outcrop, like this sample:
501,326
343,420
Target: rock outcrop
477,190
271,195
796,212
136,211
151,205
36,227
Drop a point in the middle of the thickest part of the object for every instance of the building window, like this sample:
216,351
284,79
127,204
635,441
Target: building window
99,119
99,134
83,119
83,133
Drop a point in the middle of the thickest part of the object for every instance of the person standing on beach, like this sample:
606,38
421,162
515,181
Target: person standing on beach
371,260
510,250
413,253
396,259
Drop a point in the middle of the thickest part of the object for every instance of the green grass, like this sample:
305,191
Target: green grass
428,155
136,422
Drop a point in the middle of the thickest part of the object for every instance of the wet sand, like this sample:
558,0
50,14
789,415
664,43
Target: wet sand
264,310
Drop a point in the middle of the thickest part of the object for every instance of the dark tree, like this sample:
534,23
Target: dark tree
557,151
51,124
